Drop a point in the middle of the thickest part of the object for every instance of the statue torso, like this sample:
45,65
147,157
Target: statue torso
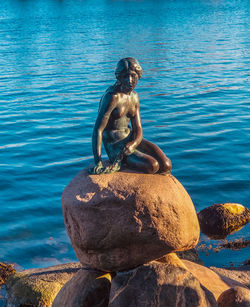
118,124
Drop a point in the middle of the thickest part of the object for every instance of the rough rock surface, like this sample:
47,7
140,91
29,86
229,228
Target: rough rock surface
86,288
159,284
112,219
235,297
219,220
38,287
234,276
212,281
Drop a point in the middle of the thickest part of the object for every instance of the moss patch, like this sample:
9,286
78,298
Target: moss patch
6,270
220,220
39,287
234,208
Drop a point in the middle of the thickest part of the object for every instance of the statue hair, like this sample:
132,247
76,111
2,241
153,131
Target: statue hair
127,64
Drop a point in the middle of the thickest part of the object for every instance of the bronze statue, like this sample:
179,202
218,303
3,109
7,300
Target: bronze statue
124,143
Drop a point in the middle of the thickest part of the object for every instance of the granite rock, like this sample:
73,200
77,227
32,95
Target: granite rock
38,287
121,220
86,288
165,282
234,276
209,278
235,297
219,220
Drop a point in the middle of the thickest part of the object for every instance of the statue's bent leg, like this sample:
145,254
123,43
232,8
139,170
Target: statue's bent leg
153,150
142,162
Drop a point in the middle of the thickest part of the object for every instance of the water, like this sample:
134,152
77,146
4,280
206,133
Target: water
56,60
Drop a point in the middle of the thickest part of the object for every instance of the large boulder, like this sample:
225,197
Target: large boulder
165,282
121,220
219,220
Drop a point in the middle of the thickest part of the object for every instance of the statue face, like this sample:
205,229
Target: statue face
128,80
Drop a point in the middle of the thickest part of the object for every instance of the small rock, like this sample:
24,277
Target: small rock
219,220
86,288
165,282
235,297
112,219
236,244
38,287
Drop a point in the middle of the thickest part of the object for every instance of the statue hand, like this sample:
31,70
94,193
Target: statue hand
128,149
97,169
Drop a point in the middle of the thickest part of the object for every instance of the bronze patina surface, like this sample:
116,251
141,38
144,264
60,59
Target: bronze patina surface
118,126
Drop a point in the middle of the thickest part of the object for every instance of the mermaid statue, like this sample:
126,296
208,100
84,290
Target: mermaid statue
118,126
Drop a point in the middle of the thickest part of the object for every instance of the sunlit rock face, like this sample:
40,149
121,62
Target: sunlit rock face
121,220
219,220
159,284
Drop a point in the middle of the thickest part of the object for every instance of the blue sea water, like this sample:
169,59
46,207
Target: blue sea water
56,60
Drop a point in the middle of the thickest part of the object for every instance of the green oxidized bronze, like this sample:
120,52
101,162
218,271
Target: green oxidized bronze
124,144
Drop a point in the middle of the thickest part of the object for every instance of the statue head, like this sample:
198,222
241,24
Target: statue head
128,64
128,72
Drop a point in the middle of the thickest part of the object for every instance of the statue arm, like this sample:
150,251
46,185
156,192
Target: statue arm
137,132
108,104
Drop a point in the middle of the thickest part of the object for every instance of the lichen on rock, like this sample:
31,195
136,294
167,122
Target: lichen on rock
220,220
38,287
6,270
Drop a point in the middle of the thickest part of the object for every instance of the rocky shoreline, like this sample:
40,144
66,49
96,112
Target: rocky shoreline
40,287
129,232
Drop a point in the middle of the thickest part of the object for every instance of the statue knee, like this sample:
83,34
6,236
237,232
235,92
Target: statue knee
167,166
153,167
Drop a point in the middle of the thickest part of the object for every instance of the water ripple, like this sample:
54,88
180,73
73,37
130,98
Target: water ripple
58,58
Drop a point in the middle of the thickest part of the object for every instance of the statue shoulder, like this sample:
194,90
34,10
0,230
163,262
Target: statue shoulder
110,94
108,98
135,95
136,98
